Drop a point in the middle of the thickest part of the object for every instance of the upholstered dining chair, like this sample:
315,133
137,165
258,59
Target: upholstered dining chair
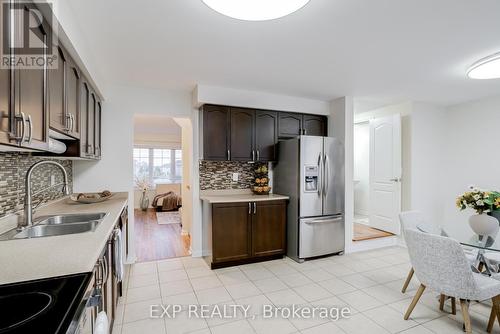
415,220
410,220
440,264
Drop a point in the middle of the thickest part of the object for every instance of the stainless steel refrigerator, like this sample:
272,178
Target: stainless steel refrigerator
310,170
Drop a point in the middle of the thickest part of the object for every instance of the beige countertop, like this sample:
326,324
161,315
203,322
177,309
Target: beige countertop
36,258
234,196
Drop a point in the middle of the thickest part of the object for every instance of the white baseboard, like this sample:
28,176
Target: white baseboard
365,245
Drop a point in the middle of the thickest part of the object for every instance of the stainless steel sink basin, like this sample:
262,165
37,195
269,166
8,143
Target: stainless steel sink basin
38,231
64,224
69,219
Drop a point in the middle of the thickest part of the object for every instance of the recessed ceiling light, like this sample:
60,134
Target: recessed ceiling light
256,10
486,68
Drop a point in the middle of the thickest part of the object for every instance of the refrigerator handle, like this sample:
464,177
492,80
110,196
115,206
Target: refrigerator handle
320,176
326,175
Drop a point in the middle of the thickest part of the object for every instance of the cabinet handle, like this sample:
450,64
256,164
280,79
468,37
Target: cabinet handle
30,132
304,131
228,155
258,155
249,208
254,208
20,139
72,128
106,269
253,155
67,117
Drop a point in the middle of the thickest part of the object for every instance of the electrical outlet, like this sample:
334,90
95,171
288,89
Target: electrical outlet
236,176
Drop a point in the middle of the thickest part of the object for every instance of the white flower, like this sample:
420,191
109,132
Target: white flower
480,203
476,197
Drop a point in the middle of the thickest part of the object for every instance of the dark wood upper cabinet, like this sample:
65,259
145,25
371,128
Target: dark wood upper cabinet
314,125
73,79
6,113
59,119
84,111
242,134
91,124
290,125
231,232
269,228
216,134
266,135
97,130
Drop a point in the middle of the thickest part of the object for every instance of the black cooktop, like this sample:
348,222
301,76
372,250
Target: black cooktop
41,306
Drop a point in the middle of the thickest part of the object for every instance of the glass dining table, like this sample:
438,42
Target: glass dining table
474,244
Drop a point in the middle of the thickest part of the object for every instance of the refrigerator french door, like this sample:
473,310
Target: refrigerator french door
310,170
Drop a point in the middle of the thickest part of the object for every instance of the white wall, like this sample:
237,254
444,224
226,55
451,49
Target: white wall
252,99
115,170
428,148
361,168
341,123
471,155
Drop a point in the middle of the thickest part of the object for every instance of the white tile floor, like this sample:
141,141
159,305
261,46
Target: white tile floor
368,282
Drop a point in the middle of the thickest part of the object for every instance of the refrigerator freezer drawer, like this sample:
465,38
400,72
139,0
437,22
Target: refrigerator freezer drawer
321,236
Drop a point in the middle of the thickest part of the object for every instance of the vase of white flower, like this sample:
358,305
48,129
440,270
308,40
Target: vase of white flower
143,185
483,202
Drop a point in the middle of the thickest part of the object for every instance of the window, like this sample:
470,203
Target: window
157,165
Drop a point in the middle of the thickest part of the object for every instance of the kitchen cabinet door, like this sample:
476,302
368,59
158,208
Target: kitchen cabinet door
315,125
269,228
84,115
59,119
97,129
91,124
231,230
73,98
31,92
290,125
266,135
6,113
242,135
216,133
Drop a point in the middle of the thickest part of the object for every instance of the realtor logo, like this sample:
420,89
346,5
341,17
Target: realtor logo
27,35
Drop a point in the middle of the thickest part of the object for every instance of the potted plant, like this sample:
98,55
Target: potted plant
143,184
484,203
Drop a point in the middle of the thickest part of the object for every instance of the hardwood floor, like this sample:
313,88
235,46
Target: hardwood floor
156,242
364,232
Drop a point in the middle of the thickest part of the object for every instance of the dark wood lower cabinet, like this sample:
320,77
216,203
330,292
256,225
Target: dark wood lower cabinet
268,229
231,231
248,232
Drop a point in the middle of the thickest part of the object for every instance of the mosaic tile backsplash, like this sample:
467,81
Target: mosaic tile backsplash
218,175
13,168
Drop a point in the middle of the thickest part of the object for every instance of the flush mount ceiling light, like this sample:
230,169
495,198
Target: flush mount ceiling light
486,68
256,10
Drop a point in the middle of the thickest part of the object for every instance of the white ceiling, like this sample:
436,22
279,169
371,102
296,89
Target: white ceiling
404,50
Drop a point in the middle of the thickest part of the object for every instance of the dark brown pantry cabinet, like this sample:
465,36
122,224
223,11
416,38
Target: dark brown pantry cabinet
216,132
247,232
292,125
245,134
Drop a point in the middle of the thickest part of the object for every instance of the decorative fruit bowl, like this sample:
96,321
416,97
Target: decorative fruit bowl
261,181
91,198
261,190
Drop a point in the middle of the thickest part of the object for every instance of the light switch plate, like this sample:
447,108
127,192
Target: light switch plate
236,176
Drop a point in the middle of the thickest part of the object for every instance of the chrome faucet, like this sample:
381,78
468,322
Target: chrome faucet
28,207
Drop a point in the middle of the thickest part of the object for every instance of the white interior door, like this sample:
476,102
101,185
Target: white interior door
385,173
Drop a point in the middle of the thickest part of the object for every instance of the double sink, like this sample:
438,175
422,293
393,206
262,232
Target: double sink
48,226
